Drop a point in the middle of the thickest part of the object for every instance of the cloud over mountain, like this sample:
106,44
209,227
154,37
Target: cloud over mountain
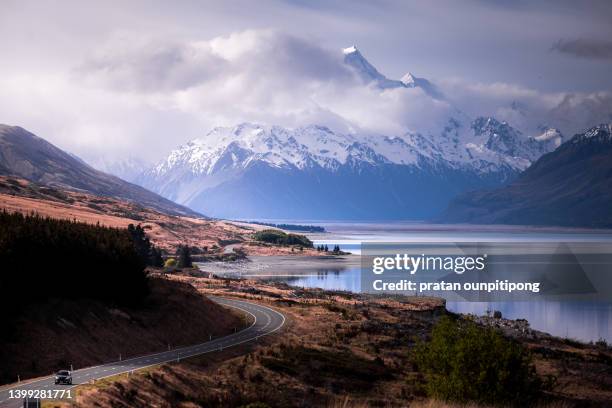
264,76
158,65
138,90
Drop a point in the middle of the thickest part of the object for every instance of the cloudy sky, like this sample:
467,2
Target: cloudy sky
118,79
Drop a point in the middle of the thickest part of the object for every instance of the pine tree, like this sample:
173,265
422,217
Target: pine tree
184,256
156,259
150,255
96,262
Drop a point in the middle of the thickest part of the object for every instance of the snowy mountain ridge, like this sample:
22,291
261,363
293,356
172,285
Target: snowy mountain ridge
258,170
489,145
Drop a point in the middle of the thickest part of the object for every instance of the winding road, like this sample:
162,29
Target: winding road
265,322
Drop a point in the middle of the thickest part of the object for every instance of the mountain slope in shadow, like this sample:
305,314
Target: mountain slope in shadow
571,186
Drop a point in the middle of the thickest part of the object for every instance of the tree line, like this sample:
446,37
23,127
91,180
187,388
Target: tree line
325,248
291,227
281,238
44,258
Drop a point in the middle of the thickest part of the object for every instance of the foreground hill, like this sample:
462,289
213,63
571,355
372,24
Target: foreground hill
571,186
85,332
26,155
77,294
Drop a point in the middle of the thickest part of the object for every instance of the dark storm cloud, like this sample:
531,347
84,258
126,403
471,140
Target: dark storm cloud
585,48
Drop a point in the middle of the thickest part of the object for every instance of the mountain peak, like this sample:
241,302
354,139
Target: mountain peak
370,75
602,132
482,124
366,71
408,80
411,81
247,127
350,50
550,135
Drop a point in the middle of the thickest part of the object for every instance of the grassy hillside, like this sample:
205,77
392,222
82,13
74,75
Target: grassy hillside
355,350
165,231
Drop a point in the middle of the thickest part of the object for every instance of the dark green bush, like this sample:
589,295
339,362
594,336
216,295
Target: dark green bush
183,254
465,362
281,238
149,254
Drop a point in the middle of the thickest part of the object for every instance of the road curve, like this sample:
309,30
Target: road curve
265,321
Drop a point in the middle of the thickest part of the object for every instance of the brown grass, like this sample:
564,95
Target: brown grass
337,350
165,231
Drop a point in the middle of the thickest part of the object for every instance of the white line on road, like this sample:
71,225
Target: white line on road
130,365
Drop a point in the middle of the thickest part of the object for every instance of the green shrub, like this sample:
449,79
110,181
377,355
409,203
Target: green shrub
465,362
281,238
170,263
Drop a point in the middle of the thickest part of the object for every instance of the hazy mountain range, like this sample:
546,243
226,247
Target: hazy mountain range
571,186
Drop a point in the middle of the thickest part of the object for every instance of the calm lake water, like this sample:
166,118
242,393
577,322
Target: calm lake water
586,321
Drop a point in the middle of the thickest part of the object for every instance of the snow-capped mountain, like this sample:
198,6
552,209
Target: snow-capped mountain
260,171
369,74
224,148
366,71
226,161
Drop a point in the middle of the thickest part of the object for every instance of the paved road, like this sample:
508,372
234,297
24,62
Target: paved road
265,321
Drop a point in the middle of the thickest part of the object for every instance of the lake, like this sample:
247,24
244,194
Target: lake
580,320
